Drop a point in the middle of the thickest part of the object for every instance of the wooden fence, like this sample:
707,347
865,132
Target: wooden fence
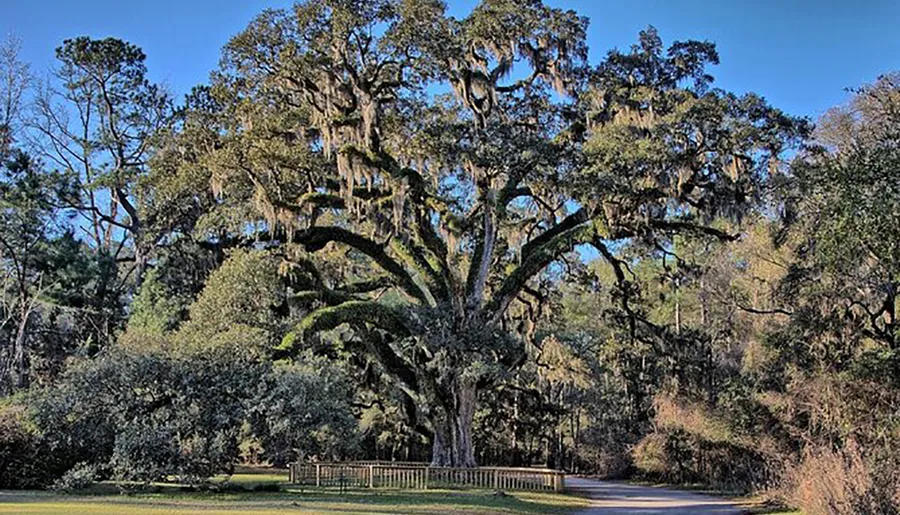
421,476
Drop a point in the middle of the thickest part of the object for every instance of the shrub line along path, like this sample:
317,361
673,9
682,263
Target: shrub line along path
614,498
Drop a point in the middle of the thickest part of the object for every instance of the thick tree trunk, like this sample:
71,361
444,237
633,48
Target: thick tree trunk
453,446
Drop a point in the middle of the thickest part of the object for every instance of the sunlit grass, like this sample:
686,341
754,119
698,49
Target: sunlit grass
348,503
295,499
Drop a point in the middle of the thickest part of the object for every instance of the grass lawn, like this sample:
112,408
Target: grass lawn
307,500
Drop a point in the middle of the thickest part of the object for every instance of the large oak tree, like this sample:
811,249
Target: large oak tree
456,162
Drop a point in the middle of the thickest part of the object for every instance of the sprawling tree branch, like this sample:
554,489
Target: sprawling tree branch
573,220
414,256
539,258
371,312
315,238
362,313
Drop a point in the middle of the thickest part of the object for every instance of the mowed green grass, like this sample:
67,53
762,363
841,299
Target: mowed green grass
293,500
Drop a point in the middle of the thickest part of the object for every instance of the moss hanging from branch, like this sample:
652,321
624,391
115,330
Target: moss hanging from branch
355,311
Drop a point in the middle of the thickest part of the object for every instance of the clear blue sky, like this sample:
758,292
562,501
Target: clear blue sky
800,54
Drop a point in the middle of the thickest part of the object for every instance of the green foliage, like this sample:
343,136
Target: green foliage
20,456
79,477
149,416
155,416
303,410
48,278
155,309
667,147
109,76
238,307
79,183
844,205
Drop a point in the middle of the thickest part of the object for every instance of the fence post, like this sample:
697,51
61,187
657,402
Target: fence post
559,482
371,476
318,474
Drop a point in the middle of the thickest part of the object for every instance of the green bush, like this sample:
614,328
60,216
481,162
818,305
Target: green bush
18,450
160,416
304,409
77,478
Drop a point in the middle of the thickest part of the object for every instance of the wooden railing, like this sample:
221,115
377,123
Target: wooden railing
421,476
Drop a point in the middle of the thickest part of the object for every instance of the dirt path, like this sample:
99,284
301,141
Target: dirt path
613,498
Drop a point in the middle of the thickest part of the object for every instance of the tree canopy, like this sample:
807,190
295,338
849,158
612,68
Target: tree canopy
458,160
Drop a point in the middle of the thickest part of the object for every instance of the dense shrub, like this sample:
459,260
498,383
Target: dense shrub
675,456
302,410
158,416
691,445
841,482
149,416
828,444
32,456
78,477
18,450
850,462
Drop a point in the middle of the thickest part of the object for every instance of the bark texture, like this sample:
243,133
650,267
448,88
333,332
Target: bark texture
453,446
